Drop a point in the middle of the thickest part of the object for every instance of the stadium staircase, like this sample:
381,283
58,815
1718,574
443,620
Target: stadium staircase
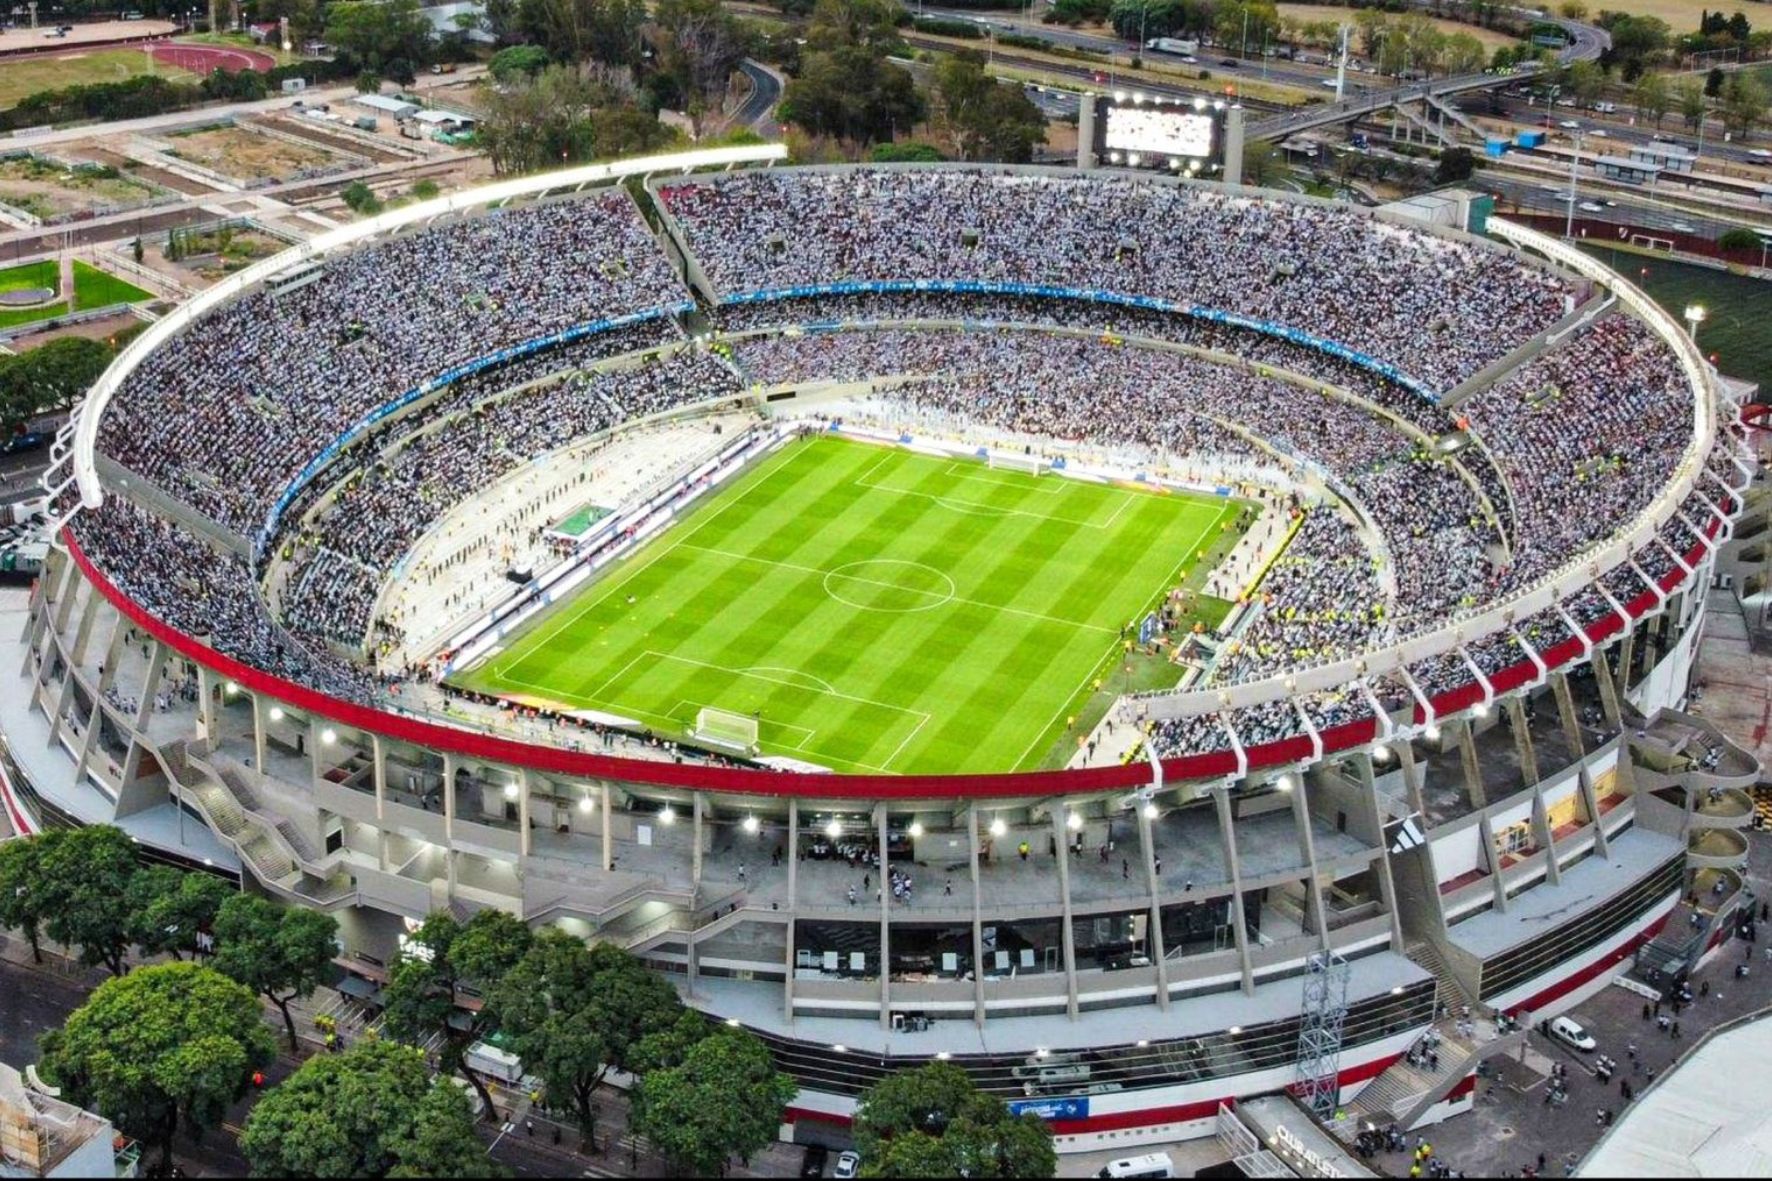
268,845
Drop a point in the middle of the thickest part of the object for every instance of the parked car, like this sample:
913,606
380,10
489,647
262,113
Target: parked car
1759,153
1573,1034
1591,207
1568,124
848,1165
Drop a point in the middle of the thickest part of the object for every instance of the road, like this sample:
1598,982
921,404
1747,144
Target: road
1618,129
758,111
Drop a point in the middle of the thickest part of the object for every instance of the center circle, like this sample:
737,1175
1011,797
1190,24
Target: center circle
889,584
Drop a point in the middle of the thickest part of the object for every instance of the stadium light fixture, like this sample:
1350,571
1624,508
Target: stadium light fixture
232,687
1695,314
276,713
998,828
511,790
1150,809
1284,783
732,1021
916,829
840,1049
1234,1030
584,804
1042,1052
329,736
942,1055
667,815
1381,754
1480,709
750,824
1431,732
1074,821
1199,104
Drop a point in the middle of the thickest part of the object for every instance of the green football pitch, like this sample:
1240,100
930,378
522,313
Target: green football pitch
876,609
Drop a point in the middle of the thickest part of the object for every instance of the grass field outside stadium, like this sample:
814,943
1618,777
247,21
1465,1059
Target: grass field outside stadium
878,610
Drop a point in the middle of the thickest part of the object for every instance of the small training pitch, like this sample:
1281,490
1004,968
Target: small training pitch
874,609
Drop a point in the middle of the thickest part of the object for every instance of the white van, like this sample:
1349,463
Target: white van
1572,1034
1155,1164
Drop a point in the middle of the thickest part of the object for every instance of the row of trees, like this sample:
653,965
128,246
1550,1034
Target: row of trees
1738,99
48,378
84,888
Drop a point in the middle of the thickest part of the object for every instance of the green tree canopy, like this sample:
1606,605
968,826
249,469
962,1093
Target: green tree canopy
165,1046
574,31
985,119
724,1098
934,1122
442,955
388,37
280,952
517,62
86,879
574,1013
372,1111
700,44
49,377
24,900
168,908
846,88
566,115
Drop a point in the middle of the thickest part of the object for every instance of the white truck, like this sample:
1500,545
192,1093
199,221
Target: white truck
1172,45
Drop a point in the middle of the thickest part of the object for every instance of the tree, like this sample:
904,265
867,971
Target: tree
846,88
517,62
23,899
1740,238
1652,98
442,955
372,1111
168,1045
169,908
1713,82
1573,10
1585,80
1744,103
1464,54
135,248
906,151
983,119
574,31
49,377
360,198
86,875
385,36
701,44
725,1098
934,1122
1455,164
1262,165
575,1013
566,115
1689,95
369,82
279,952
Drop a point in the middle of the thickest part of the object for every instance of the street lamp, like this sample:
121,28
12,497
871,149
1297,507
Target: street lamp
1694,317
1574,175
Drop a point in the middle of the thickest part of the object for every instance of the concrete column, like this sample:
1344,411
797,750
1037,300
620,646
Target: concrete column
523,834
1387,885
1608,689
695,805
378,766
608,830
1413,776
316,731
978,964
1486,834
1516,712
1546,840
150,686
1566,713
1313,886
1626,653
880,880
63,698
206,704
1159,954
66,596
113,655
87,740
1227,837
83,634
1233,144
258,743
1585,785
1068,937
787,997
449,796
1473,774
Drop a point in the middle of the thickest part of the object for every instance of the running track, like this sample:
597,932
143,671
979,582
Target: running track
201,59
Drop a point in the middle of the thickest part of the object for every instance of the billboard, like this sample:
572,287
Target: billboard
1138,130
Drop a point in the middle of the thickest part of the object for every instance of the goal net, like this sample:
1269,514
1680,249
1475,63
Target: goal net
718,727
1033,465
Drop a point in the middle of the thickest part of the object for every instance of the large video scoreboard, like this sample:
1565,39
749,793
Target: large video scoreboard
1136,130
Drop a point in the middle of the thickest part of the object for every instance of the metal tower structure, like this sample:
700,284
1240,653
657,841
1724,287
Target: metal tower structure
1317,1079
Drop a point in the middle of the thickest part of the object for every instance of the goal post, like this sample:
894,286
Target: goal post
1031,465
723,728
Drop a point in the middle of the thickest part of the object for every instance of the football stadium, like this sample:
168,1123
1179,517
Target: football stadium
1147,642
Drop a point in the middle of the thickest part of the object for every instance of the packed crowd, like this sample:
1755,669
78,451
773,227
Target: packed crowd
449,454
1437,309
227,414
